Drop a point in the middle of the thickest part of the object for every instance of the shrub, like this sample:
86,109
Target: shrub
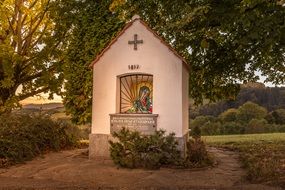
79,131
270,128
196,132
279,116
23,137
229,115
208,125
201,120
256,126
211,128
262,161
197,155
269,118
249,111
280,128
230,128
134,150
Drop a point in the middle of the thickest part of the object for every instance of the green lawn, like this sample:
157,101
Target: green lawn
263,155
252,138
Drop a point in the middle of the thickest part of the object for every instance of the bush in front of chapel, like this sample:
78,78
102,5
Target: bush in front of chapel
131,149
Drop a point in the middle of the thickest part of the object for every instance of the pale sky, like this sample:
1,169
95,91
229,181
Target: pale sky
262,79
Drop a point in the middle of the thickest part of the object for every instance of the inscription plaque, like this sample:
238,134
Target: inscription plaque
144,123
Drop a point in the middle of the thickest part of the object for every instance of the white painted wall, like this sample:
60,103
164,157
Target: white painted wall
154,58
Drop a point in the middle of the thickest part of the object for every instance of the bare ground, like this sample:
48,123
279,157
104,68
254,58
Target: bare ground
73,170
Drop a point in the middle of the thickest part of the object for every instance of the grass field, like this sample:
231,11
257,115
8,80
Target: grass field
263,155
252,138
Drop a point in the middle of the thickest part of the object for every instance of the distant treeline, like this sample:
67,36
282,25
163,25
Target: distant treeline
271,98
248,118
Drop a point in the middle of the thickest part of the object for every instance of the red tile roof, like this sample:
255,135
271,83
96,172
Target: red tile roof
149,29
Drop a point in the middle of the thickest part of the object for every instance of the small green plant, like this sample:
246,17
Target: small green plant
197,154
134,150
196,132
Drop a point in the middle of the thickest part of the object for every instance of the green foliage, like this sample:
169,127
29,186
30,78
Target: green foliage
225,42
204,125
229,115
249,111
93,26
201,120
256,126
134,150
23,137
82,131
266,167
229,128
262,154
195,132
280,128
278,116
248,118
197,155
213,128
269,118
271,98
31,45
228,40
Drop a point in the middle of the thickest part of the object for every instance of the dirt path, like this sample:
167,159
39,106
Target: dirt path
73,170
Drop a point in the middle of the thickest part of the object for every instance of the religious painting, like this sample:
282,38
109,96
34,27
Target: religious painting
136,93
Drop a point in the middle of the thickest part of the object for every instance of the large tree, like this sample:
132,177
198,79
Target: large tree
225,42
93,25
30,50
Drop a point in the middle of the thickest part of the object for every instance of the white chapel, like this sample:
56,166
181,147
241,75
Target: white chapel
139,82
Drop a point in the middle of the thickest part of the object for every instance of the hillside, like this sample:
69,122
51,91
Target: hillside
271,98
47,106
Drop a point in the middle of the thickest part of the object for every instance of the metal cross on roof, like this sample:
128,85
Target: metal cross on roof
135,42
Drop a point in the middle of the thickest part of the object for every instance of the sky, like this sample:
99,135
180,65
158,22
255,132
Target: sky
269,84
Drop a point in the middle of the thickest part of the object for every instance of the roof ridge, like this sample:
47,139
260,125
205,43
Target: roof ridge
130,23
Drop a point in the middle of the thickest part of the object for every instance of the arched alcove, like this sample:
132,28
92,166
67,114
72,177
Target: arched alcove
136,94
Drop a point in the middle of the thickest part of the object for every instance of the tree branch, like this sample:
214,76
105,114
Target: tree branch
30,77
39,38
33,30
19,28
11,28
24,96
33,4
34,76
